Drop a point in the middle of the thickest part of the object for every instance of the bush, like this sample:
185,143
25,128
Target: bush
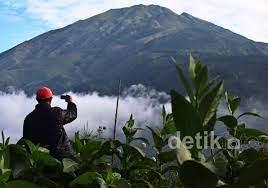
111,163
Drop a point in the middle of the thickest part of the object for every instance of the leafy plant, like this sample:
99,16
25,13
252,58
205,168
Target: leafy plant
142,162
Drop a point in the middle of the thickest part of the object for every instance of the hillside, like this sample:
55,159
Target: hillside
133,44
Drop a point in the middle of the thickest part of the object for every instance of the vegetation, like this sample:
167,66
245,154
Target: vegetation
140,162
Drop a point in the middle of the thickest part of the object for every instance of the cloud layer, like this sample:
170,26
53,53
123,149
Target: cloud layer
93,110
96,110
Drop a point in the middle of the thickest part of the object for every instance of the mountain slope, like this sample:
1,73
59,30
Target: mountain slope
133,44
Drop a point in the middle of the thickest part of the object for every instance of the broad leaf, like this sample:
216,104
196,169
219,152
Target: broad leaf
192,67
69,165
44,159
185,82
249,114
133,151
89,179
158,140
122,183
209,104
232,103
4,175
168,156
201,80
229,121
250,134
186,118
249,155
194,174
253,174
21,184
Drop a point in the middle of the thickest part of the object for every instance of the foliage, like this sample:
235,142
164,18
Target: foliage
141,162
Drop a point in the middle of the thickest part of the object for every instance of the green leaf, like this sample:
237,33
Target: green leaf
31,146
90,148
253,174
108,147
194,174
142,163
164,114
249,155
250,133
3,137
201,80
185,81
186,118
122,183
21,184
235,104
77,144
232,103
142,139
206,90
44,150
169,127
168,156
133,151
89,179
211,124
4,175
210,102
7,141
44,159
229,121
249,114
4,160
192,67
129,129
158,140
170,169
112,178
141,183
69,165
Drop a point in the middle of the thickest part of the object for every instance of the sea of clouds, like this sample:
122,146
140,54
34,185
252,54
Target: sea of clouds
94,110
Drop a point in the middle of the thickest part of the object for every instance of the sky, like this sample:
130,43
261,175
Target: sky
22,20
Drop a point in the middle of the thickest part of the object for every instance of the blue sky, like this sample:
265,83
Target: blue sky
22,20
16,26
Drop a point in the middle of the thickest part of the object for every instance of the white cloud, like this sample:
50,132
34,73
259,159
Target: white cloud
100,110
97,110
92,108
245,17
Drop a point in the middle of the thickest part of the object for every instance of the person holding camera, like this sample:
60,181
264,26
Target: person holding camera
44,125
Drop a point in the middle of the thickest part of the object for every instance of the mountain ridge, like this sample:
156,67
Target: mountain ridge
133,44
184,14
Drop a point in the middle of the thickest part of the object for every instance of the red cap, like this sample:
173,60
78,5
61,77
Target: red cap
44,93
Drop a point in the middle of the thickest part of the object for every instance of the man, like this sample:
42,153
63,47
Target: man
44,125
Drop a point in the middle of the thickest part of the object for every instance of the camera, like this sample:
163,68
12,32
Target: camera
64,97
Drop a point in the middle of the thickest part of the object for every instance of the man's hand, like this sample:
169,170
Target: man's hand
68,98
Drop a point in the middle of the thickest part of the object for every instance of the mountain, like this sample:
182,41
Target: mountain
135,45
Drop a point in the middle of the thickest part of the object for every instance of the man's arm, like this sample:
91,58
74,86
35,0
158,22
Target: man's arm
68,115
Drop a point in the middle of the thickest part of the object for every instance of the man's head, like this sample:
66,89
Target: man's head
44,94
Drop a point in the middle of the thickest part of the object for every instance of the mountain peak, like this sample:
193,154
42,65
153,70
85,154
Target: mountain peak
133,41
143,10
186,14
